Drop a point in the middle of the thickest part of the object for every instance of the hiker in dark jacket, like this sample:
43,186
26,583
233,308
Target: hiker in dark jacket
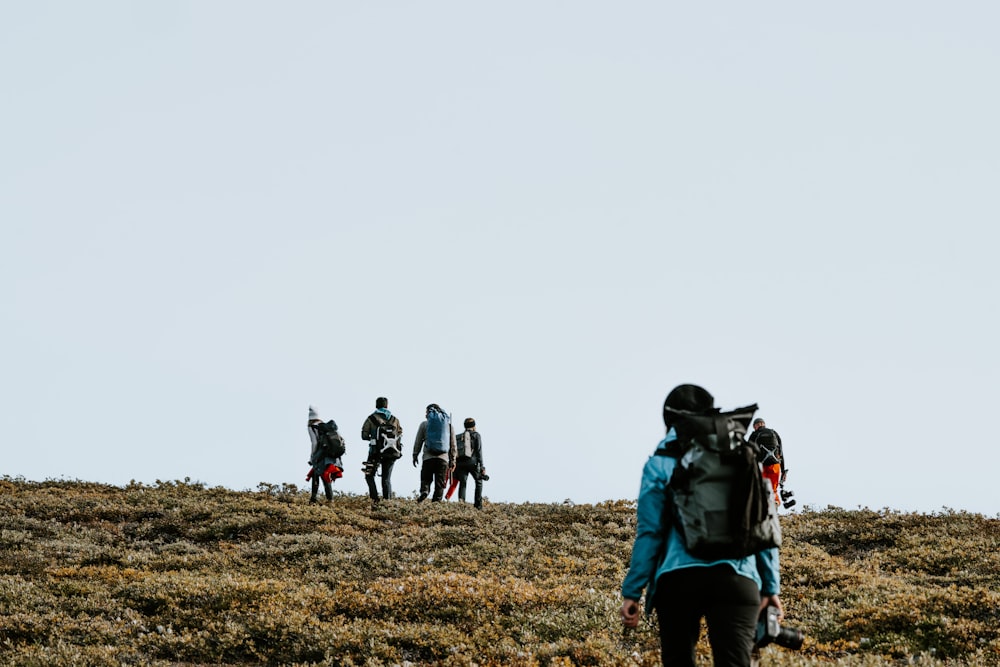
436,464
381,453
469,461
729,593
323,467
772,455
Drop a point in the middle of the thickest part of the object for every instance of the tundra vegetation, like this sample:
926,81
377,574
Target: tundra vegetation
176,573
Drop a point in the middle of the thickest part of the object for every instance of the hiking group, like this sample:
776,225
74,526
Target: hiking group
446,458
707,535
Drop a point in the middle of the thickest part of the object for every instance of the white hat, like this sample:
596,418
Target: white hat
313,415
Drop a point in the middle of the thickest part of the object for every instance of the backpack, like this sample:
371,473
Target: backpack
328,441
466,444
437,432
721,504
387,439
770,449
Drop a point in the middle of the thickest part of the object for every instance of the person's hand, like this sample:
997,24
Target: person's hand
414,461
772,601
630,613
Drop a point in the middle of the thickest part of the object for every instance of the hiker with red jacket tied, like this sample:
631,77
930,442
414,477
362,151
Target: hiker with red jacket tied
727,574
384,435
436,439
325,458
771,456
469,445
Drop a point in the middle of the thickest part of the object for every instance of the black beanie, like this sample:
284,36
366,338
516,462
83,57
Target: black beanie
689,398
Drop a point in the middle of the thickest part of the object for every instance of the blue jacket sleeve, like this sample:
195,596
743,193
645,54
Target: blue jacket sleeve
770,574
651,533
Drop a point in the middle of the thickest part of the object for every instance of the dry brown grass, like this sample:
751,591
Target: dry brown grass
177,573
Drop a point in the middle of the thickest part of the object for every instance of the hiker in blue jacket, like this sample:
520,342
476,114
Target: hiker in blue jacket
436,438
729,594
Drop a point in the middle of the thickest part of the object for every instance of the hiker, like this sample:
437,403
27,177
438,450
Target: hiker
325,462
729,593
383,433
436,438
771,457
469,445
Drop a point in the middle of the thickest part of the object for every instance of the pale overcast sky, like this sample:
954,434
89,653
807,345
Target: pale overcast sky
543,215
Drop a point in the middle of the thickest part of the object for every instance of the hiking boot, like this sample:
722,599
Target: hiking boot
312,501
422,497
375,504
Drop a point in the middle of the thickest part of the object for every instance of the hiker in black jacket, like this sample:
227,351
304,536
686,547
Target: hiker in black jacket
380,429
470,461
772,455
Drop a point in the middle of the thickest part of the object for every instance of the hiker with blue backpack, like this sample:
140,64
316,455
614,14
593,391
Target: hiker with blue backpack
436,439
384,434
325,458
707,535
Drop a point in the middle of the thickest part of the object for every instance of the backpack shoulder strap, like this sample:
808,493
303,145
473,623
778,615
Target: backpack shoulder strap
674,449
377,420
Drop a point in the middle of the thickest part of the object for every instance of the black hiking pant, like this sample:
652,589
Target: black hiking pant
327,486
433,470
386,466
730,604
464,467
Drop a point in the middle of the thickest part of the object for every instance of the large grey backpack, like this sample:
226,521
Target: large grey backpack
467,444
720,502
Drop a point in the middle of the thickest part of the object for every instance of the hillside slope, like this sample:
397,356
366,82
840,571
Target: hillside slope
177,573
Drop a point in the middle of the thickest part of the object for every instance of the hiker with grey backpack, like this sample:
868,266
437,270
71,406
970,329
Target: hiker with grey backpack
436,440
707,535
469,445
